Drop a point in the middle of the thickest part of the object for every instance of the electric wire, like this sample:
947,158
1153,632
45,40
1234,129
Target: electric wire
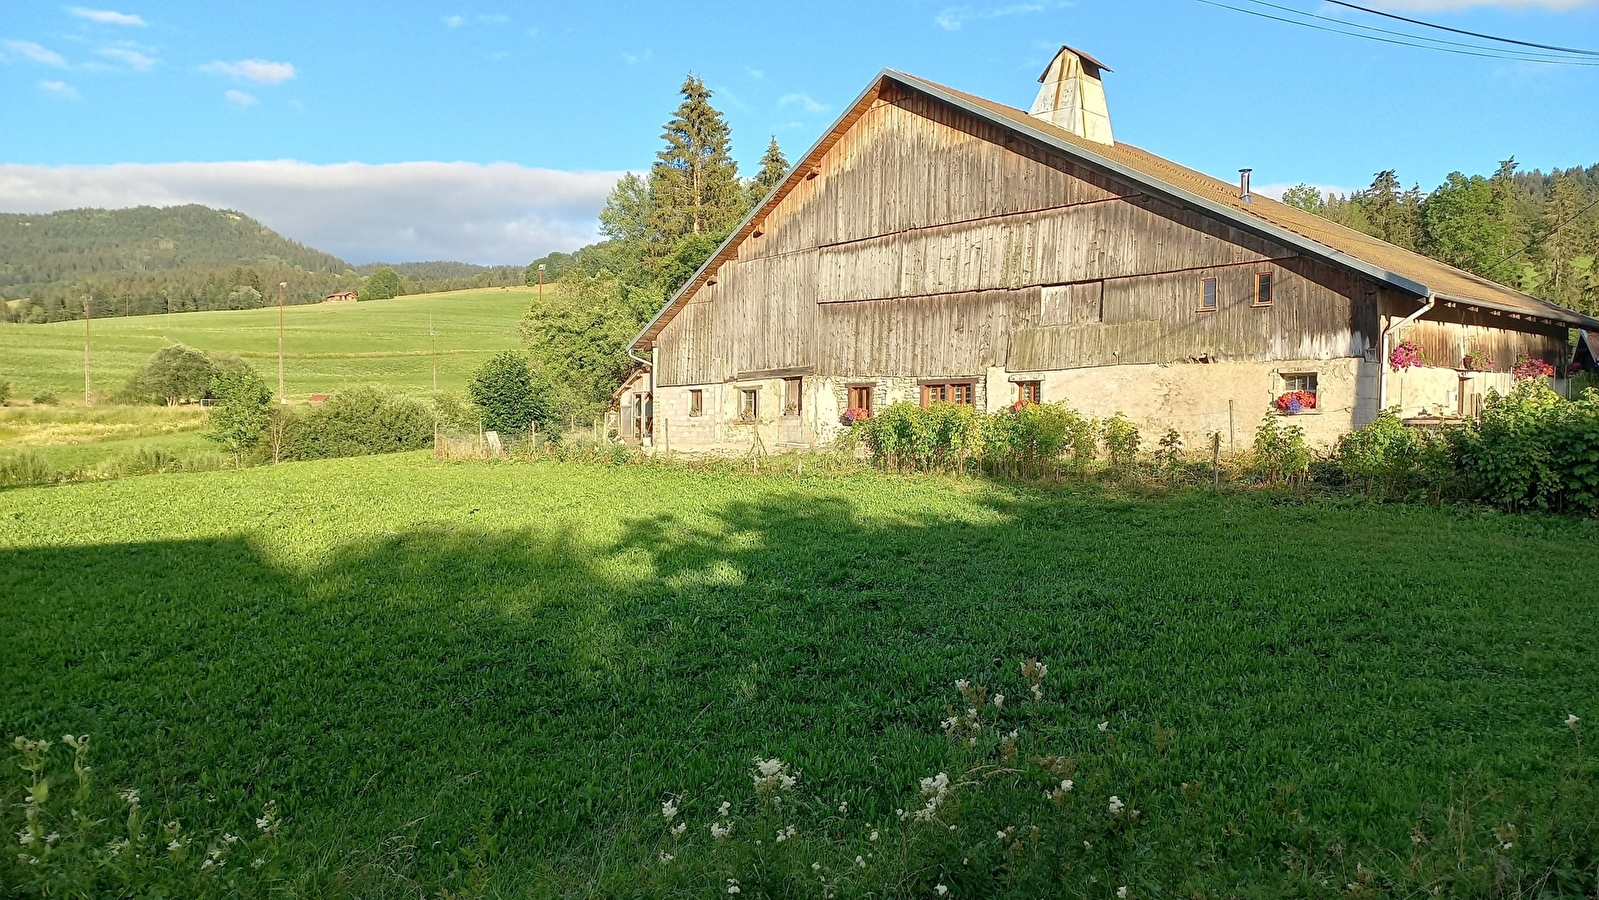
1546,235
1475,34
1403,34
1480,52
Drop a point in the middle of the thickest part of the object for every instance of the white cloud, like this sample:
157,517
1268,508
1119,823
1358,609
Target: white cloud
953,17
804,101
34,52
240,98
757,74
455,21
634,59
1463,5
129,57
257,70
1275,191
493,213
106,16
59,89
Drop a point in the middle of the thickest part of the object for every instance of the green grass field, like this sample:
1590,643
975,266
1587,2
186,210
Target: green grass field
327,345
487,678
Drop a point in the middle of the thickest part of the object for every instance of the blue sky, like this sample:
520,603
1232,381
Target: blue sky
567,95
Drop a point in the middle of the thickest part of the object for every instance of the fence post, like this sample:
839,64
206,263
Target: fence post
666,436
1215,462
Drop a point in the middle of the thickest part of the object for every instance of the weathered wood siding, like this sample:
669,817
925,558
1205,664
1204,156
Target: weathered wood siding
931,243
1447,334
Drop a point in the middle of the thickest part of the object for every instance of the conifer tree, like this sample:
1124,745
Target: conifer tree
694,181
774,167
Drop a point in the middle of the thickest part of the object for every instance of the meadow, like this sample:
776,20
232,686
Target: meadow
327,345
488,678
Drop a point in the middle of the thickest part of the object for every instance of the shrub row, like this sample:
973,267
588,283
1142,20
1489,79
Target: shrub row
1531,449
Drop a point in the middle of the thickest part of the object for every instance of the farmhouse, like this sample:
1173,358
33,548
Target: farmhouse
936,246
340,297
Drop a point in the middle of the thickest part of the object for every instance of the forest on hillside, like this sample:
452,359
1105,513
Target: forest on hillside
1535,231
154,260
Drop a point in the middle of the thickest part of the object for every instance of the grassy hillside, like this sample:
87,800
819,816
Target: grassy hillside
327,345
489,678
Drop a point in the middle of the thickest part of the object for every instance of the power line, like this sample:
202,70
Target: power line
1403,34
1481,52
1475,34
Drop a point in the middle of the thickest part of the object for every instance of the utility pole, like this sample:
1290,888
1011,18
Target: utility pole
87,395
433,351
283,397
541,284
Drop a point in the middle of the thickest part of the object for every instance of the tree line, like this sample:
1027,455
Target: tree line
660,227
1534,231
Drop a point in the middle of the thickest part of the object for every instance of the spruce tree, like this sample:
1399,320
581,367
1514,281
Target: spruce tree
694,181
774,167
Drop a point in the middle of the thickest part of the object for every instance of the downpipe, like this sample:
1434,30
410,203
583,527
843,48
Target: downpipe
1387,339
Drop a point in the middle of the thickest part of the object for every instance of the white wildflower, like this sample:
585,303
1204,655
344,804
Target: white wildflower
207,864
1066,785
666,857
843,808
784,834
934,790
872,836
1038,692
669,810
999,700
724,808
861,863
230,838
25,836
732,886
942,890
1002,835
1104,725
678,829
177,844
816,867
259,862
720,830
962,684
130,796
1116,806
1571,720
214,853
1087,845
1121,892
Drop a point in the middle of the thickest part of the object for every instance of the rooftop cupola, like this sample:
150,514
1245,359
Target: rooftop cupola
1073,96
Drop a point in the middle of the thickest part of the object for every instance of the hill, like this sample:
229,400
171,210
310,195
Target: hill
155,260
328,344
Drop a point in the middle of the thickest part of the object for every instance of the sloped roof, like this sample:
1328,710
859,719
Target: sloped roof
1404,270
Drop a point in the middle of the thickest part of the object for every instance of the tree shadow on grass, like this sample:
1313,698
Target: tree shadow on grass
444,684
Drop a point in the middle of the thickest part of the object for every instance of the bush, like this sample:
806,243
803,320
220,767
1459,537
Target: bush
1385,457
240,418
1532,449
173,375
384,284
940,436
46,398
508,398
1121,443
1280,451
361,421
26,468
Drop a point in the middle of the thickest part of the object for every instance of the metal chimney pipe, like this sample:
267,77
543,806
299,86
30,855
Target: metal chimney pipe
1243,186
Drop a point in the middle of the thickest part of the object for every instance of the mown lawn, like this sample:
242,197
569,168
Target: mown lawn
458,675
327,345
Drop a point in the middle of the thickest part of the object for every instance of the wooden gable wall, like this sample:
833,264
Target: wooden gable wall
931,243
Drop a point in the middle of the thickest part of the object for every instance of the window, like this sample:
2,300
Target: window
1262,288
793,396
1209,294
749,404
1029,392
696,403
953,392
1304,382
1298,393
860,397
